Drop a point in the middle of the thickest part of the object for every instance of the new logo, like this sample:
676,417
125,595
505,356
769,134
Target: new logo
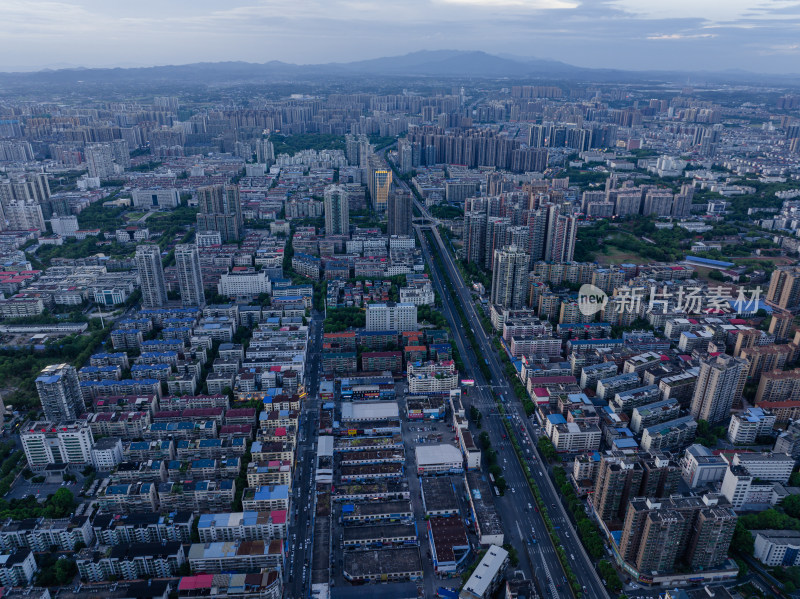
591,299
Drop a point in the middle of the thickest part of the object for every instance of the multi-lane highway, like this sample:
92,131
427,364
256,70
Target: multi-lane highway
514,506
522,524
298,570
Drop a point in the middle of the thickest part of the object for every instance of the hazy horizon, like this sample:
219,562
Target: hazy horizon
711,35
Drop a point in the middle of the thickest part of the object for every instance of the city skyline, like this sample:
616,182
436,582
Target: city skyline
619,34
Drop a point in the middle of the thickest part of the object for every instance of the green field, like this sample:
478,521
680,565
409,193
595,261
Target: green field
615,256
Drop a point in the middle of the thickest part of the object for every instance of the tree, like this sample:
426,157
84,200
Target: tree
513,557
791,505
61,504
547,448
609,574
743,569
743,541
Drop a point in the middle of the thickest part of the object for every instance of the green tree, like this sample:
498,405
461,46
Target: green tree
547,449
791,505
61,504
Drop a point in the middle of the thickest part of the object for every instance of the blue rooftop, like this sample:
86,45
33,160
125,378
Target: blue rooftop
709,262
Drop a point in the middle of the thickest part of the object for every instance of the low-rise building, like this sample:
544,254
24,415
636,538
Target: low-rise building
776,548
575,437
434,459
747,426
107,453
17,568
42,534
672,435
226,556
487,576
700,467
130,561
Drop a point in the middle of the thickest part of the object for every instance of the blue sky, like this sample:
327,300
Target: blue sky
760,36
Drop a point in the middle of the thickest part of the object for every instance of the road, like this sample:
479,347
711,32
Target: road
304,490
519,495
519,521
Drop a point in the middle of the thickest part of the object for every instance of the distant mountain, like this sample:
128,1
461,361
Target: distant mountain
458,63
425,63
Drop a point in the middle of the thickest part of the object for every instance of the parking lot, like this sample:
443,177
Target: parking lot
23,488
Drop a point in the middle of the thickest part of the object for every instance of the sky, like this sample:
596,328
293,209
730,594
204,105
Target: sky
693,35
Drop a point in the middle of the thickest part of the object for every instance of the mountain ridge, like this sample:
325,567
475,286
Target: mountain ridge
422,63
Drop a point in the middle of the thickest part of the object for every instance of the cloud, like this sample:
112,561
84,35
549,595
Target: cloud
526,4
780,49
681,36
708,10
760,36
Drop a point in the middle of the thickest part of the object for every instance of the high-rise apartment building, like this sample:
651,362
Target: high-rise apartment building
551,234
682,202
660,533
121,152
190,278
151,275
364,151
337,211
100,160
496,238
619,478
510,277
719,385
265,152
399,213
780,325
170,103
778,386
474,237
561,235
405,156
60,393
391,317
784,288
351,149
622,477
35,187
220,210
47,442
21,215
664,534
